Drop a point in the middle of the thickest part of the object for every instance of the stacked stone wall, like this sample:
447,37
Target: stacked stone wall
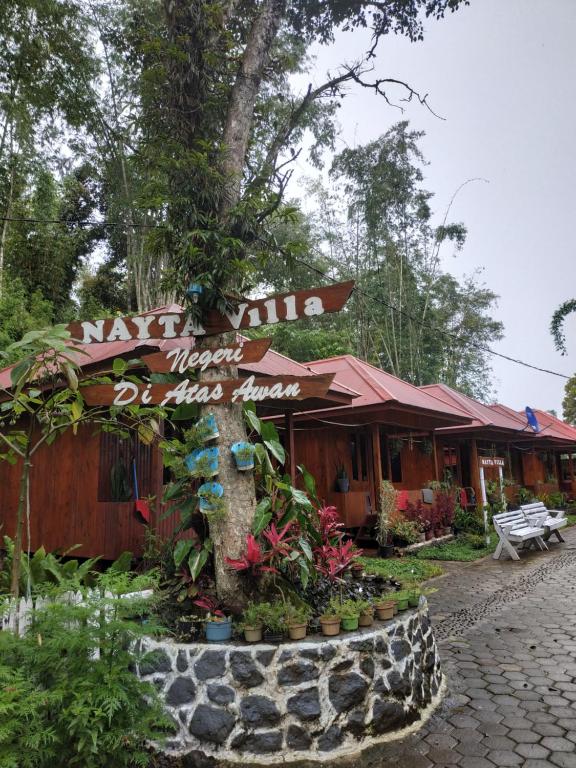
319,698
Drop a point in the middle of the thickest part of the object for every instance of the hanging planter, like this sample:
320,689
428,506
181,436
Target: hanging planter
203,461
208,497
243,456
207,428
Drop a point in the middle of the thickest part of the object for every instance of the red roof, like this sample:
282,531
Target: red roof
483,416
552,426
376,387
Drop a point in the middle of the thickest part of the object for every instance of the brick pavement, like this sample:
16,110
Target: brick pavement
507,637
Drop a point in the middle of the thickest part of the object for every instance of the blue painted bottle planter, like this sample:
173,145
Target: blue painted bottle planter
206,458
243,462
205,491
209,426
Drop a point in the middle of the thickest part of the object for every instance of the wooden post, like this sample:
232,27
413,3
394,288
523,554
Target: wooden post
435,447
289,422
475,469
377,463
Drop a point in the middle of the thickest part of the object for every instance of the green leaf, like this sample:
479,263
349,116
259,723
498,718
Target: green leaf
305,547
309,480
181,551
253,421
276,450
122,563
20,371
119,366
269,432
185,412
299,497
174,490
262,516
196,562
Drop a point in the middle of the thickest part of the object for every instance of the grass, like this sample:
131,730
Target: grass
405,569
459,549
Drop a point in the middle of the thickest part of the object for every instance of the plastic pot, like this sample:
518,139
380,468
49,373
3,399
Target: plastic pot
243,461
209,426
384,610
366,619
206,457
330,625
349,623
343,484
253,634
218,631
413,601
273,636
386,551
297,631
402,603
214,489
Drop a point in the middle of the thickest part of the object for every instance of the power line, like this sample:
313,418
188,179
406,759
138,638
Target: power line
325,275
424,324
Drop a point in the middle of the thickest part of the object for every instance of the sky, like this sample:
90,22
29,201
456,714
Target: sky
501,73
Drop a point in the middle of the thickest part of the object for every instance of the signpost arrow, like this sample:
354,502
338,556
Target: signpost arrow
182,360
247,314
209,392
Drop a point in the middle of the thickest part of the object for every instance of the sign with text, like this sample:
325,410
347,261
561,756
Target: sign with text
182,360
209,392
246,314
491,461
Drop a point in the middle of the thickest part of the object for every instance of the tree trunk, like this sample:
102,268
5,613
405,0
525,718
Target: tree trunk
22,501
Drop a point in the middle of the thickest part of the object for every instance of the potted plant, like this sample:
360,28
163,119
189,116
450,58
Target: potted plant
401,600
207,428
210,499
357,570
348,612
342,480
386,509
218,626
384,607
203,462
274,622
405,532
330,621
297,618
251,623
243,456
366,613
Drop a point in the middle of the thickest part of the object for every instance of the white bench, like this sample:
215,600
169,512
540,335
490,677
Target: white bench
550,520
514,528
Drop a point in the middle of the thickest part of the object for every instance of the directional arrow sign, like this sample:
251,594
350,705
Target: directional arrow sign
209,392
182,360
247,314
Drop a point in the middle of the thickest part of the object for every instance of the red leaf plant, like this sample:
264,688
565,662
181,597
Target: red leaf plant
253,560
332,560
208,604
329,525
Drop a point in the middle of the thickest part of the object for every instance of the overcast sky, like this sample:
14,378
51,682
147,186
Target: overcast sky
503,74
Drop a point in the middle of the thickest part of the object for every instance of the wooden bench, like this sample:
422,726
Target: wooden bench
550,520
514,528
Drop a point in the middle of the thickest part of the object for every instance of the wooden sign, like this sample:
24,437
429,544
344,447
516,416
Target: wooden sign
247,314
491,461
182,360
209,392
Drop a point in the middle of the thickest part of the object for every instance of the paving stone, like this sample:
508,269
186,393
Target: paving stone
524,736
532,750
505,757
563,760
557,744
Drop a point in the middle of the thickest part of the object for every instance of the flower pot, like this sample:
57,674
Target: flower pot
330,625
273,636
253,634
297,631
357,571
203,457
366,619
438,532
343,484
214,489
386,551
218,631
349,623
208,427
402,603
429,535
395,607
413,601
384,610
243,454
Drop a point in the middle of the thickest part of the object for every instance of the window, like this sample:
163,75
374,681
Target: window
118,458
359,456
396,467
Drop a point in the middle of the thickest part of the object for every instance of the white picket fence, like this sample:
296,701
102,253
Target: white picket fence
19,616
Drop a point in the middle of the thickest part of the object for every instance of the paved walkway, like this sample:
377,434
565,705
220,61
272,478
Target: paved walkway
507,636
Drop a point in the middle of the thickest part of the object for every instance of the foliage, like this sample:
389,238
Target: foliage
569,401
297,614
345,609
63,704
557,323
463,548
406,531
403,570
468,520
271,616
387,507
524,496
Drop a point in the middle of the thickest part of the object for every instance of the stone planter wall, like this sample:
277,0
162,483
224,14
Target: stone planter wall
323,697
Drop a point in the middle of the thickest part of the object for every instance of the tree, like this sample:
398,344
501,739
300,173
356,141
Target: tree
569,401
557,324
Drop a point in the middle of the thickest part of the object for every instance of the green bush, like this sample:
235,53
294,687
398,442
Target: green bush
68,695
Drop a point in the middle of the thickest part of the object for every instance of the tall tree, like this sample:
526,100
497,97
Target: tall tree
569,401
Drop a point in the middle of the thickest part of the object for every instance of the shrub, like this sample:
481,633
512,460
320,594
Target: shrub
406,531
68,695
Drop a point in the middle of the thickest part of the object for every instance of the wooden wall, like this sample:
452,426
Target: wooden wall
417,468
64,500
